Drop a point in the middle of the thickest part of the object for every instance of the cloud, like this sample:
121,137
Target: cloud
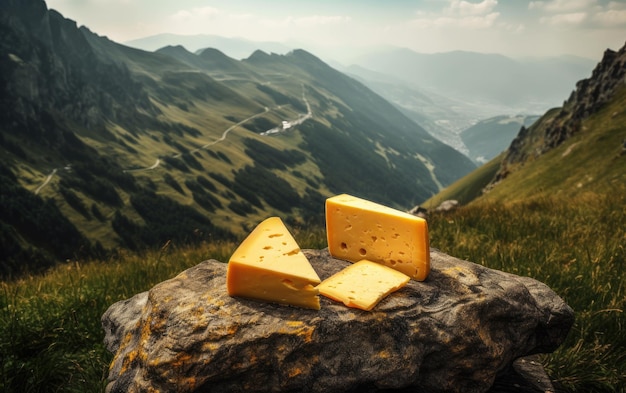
196,14
570,19
561,6
611,18
580,12
467,22
460,14
320,20
199,14
465,8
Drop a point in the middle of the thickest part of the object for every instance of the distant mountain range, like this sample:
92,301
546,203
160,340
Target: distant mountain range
106,146
489,79
449,92
445,93
579,148
237,48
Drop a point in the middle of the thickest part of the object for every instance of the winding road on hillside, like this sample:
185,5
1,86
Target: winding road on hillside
220,139
286,125
45,182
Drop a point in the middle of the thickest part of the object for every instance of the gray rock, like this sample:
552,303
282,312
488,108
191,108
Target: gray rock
455,332
446,206
419,212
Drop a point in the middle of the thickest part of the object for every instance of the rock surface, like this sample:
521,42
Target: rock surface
455,332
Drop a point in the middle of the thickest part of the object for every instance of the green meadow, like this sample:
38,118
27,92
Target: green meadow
51,337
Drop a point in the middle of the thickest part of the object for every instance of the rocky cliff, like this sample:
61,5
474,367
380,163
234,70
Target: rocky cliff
559,124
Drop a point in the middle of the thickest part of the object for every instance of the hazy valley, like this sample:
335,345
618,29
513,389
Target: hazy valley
114,146
118,147
445,93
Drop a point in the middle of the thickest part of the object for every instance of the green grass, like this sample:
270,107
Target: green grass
51,337
575,246
50,325
590,161
467,188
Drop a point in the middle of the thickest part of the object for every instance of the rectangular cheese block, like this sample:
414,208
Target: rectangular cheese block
363,284
269,266
360,229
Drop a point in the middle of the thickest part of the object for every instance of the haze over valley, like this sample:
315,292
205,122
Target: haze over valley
445,93
471,60
113,143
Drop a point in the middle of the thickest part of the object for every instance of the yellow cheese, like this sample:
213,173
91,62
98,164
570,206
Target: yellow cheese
360,229
269,265
363,284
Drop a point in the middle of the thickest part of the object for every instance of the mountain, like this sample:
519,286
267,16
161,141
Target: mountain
574,149
447,93
488,138
107,146
493,79
237,48
441,116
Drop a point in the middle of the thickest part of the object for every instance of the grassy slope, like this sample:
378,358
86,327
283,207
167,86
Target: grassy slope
468,187
576,248
51,338
560,219
208,118
588,162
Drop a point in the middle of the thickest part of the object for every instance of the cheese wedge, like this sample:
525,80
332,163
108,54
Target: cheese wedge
269,266
363,284
360,229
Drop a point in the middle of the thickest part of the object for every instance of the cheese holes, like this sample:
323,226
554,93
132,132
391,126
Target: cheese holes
374,238
344,246
289,284
362,251
275,235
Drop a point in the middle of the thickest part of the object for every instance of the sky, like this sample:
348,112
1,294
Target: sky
516,28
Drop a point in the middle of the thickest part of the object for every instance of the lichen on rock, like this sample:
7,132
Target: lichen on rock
455,332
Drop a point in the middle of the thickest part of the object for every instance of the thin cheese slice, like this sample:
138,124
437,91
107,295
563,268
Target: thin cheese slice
363,284
360,229
269,266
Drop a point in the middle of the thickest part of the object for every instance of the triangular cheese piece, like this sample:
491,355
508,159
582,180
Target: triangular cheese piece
363,284
269,266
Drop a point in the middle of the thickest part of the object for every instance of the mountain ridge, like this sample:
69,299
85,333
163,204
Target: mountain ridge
138,149
487,77
574,149
589,96
237,48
